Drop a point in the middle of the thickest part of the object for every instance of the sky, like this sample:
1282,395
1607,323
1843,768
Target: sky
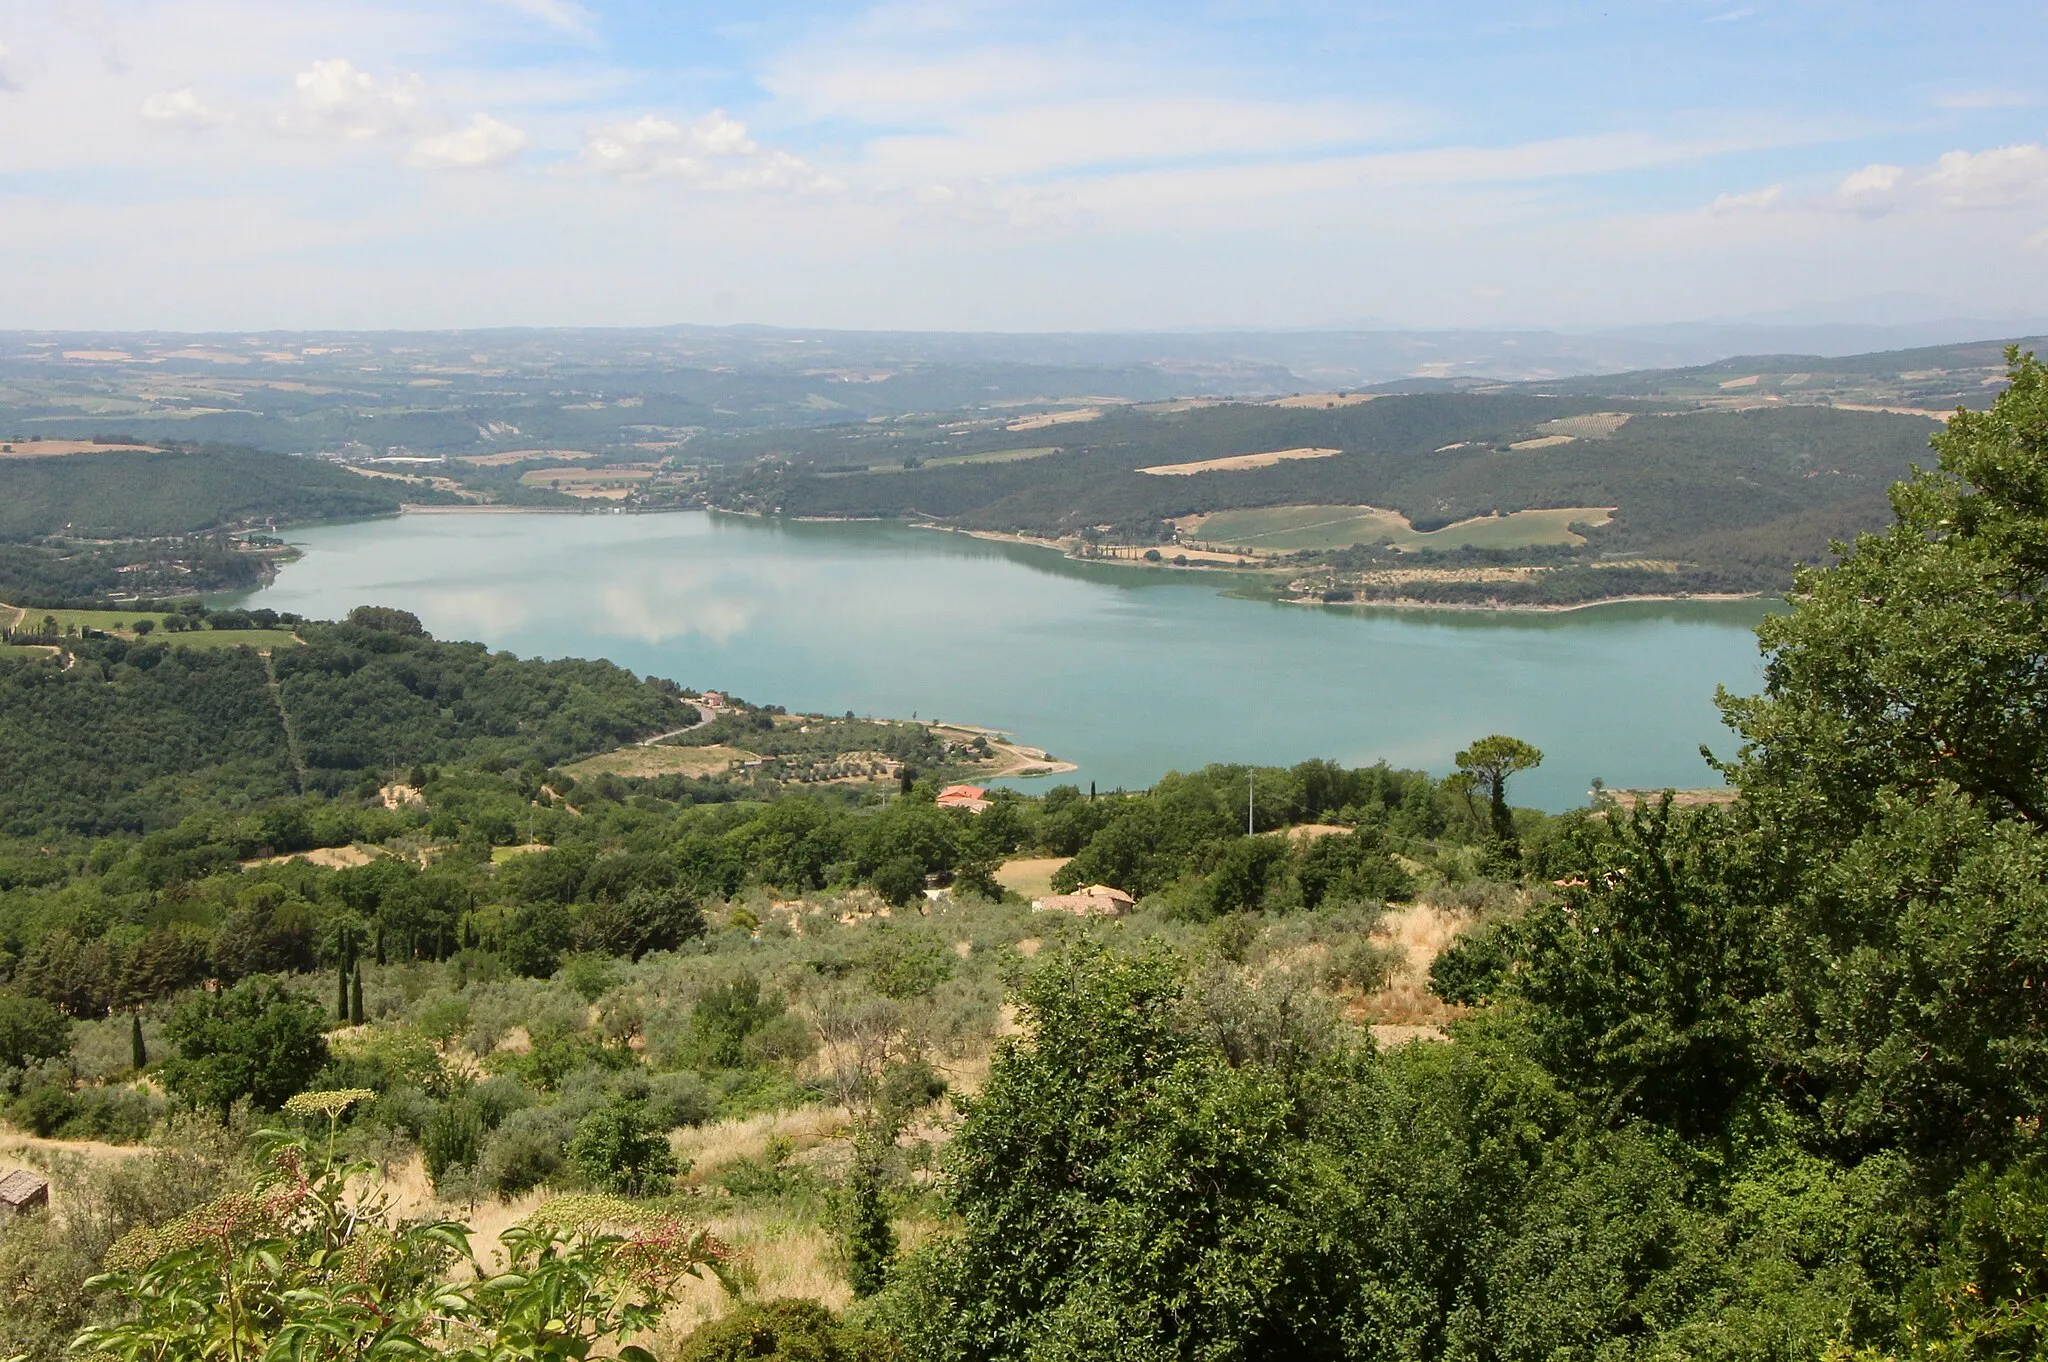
280,164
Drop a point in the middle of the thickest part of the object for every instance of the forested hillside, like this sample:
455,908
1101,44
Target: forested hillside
1747,493
135,494
798,1072
135,735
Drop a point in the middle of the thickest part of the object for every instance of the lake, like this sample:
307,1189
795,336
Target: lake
1127,671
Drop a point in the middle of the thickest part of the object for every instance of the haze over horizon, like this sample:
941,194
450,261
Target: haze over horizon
222,165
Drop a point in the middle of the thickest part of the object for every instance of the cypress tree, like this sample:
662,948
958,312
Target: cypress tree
341,991
138,1053
355,999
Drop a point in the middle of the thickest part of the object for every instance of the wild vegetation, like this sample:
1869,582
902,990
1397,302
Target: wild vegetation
1756,1078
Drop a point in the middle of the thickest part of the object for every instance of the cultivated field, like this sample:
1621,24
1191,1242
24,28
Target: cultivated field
1286,529
1056,418
120,623
1324,400
1593,425
1237,462
541,477
522,455
46,449
660,761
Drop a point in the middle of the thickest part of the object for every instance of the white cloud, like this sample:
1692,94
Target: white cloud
2003,177
483,141
183,108
13,70
336,100
1876,178
716,152
1756,200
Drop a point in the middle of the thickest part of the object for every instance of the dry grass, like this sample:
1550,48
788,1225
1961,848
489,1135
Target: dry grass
1030,876
1421,931
499,460
660,761
1593,425
50,449
1237,462
1545,442
1324,400
329,858
1056,418
541,476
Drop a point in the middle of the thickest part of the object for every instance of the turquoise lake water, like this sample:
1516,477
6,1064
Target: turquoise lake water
1129,672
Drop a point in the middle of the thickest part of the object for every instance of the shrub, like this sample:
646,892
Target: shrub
616,1149
793,1330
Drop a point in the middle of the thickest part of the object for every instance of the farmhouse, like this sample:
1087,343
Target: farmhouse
1097,900
969,797
22,1191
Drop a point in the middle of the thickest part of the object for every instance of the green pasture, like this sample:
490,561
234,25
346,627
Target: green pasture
1292,528
17,651
121,623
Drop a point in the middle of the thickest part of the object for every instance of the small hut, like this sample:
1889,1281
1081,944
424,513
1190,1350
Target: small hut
22,1191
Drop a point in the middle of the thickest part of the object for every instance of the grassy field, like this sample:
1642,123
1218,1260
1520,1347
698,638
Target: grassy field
14,651
1290,528
121,623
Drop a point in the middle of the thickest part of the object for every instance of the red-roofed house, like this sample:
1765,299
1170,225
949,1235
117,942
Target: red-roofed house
969,797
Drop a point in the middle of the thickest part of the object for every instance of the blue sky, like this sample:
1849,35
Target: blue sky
226,164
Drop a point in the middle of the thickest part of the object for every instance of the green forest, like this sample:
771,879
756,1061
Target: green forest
1740,496
131,494
657,1071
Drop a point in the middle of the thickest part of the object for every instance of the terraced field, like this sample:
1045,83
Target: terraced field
1287,529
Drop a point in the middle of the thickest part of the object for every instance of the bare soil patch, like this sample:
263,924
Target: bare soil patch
50,449
328,858
522,455
1593,425
1323,400
1545,442
660,761
1237,462
1056,418
1030,876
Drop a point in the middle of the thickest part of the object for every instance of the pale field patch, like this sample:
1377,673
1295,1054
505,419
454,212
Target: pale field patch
1545,442
539,477
50,449
522,455
1030,877
1281,529
1422,931
660,761
1749,382
1056,418
329,858
1324,400
1592,425
1237,462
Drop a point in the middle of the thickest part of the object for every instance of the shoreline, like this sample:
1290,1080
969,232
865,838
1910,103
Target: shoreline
1411,603
1392,603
